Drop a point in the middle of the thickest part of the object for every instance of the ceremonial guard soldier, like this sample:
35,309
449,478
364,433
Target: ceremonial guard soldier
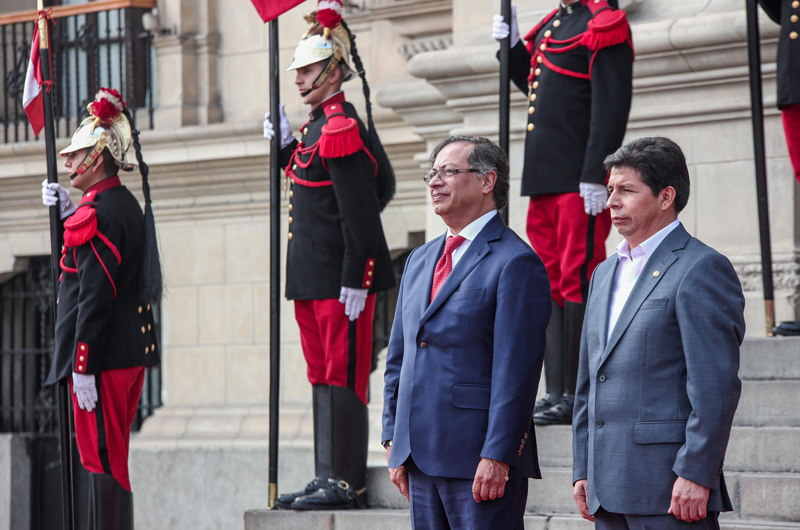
576,72
110,281
787,14
339,179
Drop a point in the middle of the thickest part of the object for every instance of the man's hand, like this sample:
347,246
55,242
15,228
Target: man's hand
595,197
286,128
500,29
689,500
399,476
354,301
490,480
579,494
84,389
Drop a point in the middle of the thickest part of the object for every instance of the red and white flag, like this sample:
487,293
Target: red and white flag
32,98
272,9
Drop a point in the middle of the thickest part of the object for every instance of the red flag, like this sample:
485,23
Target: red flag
32,99
272,9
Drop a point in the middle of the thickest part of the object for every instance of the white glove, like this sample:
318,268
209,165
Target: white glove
286,128
83,387
595,197
354,301
500,29
53,193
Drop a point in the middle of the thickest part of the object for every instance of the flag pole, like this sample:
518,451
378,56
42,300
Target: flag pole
505,94
274,260
757,109
64,420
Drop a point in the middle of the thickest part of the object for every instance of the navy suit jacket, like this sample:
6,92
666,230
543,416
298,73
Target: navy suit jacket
462,372
656,400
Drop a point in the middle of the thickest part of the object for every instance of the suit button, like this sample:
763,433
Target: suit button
530,126
600,423
423,344
525,435
602,378
519,453
522,441
520,447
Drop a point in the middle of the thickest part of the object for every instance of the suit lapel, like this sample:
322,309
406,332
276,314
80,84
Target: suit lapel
431,258
477,250
604,276
661,260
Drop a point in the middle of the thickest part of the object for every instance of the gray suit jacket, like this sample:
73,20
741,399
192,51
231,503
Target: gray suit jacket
656,401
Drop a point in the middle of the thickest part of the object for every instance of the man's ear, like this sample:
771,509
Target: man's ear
667,197
489,180
98,164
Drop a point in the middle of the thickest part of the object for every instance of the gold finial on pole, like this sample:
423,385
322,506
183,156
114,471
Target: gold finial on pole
43,40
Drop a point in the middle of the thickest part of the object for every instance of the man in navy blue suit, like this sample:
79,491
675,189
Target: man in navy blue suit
465,353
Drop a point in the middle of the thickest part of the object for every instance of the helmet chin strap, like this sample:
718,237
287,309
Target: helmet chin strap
91,156
333,61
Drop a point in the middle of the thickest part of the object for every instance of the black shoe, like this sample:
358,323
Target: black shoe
334,495
787,329
284,502
543,404
558,414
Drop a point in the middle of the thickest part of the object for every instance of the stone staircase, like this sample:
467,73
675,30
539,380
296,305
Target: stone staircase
762,466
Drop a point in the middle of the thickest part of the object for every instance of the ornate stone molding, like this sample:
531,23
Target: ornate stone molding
785,275
425,44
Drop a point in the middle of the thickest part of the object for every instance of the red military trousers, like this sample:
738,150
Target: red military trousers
103,435
791,127
569,242
338,352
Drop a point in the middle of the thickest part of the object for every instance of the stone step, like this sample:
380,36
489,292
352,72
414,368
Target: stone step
376,519
770,358
768,496
753,449
772,403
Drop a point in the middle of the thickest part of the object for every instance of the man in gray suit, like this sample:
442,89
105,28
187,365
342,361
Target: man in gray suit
657,382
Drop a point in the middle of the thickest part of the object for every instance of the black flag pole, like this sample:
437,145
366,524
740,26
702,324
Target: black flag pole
757,107
505,81
64,419
274,260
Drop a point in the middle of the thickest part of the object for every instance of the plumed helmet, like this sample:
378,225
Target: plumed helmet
326,40
105,128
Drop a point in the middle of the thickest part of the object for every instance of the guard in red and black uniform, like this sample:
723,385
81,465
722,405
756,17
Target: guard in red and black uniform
576,70
338,181
105,331
787,14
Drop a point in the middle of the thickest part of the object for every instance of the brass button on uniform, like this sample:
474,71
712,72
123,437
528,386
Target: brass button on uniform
80,368
291,194
533,97
538,71
793,35
143,329
793,18
371,262
148,307
149,327
333,107
294,167
83,347
535,85
548,33
368,283
539,60
543,47
291,220
152,347
369,273
530,110
556,23
290,236
291,207
140,309
530,126
305,130
81,358
795,4
146,350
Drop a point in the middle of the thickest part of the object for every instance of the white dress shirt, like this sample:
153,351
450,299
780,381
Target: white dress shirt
631,264
469,233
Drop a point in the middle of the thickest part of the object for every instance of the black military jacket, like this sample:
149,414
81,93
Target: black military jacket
100,322
335,233
787,14
578,72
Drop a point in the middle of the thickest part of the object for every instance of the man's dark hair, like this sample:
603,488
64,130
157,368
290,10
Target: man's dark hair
109,164
660,164
485,156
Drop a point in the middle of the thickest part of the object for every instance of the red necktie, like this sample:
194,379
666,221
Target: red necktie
445,264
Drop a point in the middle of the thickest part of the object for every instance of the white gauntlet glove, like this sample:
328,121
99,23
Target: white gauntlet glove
354,301
286,128
84,389
53,193
500,29
595,197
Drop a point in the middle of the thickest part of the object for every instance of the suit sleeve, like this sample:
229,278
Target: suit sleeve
97,273
394,362
523,311
580,411
772,8
353,178
710,311
612,86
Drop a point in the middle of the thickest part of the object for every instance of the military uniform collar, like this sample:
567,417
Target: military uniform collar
566,10
320,110
100,187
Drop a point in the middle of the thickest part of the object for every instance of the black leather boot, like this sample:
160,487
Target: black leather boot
110,505
321,411
346,486
553,360
561,412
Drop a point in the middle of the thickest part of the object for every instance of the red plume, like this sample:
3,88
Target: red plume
329,13
107,105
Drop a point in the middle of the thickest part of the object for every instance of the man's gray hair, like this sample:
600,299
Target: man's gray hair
485,156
